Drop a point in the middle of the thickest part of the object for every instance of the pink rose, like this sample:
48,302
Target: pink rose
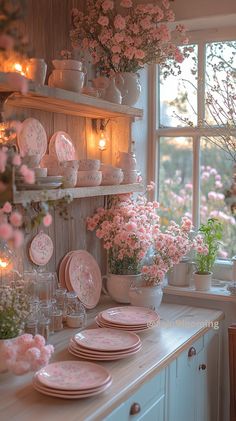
116,59
139,54
103,21
116,49
119,22
129,52
107,5
16,219
6,231
47,220
16,160
118,37
7,208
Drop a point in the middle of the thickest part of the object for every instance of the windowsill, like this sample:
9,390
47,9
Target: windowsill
215,293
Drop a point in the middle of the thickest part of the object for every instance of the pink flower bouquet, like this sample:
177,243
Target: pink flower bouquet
169,248
127,230
125,37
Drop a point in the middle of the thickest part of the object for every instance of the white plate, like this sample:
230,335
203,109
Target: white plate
32,138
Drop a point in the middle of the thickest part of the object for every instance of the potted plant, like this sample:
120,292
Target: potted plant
127,229
169,247
206,245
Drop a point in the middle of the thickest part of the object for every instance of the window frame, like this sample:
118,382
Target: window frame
201,38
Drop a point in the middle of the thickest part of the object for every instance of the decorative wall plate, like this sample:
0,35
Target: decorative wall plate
62,147
62,268
41,249
85,277
32,138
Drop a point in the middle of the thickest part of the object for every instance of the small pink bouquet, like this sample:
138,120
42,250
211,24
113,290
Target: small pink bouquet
127,229
169,248
124,37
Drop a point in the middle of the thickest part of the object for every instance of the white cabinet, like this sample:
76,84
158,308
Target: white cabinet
193,381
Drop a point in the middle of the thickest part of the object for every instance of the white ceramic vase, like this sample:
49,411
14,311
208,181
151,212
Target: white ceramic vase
202,282
112,93
146,296
180,274
117,286
129,86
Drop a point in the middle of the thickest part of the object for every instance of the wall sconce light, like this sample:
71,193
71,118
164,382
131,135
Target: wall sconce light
100,127
6,261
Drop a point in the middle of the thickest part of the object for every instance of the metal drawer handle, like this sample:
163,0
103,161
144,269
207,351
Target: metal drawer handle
202,367
191,352
135,408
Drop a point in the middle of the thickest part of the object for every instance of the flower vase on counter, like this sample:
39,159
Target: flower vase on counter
129,86
118,286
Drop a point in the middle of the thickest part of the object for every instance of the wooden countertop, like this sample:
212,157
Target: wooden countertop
180,326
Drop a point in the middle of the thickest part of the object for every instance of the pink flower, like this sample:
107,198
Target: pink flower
119,22
16,160
118,37
139,54
16,219
116,49
103,21
170,15
107,5
146,22
39,341
116,59
7,207
47,220
129,52
29,176
126,3
6,42
17,82
6,231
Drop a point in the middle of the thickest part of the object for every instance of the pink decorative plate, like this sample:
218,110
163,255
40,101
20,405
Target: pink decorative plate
106,339
131,316
92,352
62,147
102,357
85,278
62,268
32,138
73,375
41,249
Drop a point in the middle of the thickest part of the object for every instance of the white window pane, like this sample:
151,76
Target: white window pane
178,94
216,178
175,187
220,83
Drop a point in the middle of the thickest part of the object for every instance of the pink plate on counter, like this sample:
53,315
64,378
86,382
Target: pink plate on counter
106,340
84,277
101,357
130,316
93,352
62,147
41,249
73,375
32,138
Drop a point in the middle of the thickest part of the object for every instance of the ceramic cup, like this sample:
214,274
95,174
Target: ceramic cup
70,177
112,177
89,178
70,164
89,164
70,80
130,177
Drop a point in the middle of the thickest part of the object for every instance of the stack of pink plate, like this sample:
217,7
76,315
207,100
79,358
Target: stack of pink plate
72,379
128,318
80,272
104,344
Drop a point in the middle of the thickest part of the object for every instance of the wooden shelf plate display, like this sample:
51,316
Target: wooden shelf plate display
66,102
75,193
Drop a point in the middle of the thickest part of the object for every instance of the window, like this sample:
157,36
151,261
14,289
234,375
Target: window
194,172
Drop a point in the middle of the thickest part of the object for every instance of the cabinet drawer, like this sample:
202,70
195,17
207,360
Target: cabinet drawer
145,398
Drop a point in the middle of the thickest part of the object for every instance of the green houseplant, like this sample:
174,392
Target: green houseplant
206,245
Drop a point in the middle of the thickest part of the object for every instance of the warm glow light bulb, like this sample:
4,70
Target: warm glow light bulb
18,68
102,142
3,263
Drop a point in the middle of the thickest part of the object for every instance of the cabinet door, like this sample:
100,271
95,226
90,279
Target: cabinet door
207,396
154,413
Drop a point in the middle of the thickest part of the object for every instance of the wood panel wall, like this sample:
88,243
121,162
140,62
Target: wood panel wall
47,27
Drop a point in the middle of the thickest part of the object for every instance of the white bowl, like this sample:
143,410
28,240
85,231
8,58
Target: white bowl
89,178
89,164
130,177
112,178
70,80
67,64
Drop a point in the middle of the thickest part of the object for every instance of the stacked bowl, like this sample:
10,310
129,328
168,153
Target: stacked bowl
127,162
67,75
111,175
89,174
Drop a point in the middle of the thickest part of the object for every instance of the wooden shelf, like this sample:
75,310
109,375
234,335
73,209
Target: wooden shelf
66,102
76,193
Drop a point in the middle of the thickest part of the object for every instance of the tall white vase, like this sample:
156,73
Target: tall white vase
112,93
129,86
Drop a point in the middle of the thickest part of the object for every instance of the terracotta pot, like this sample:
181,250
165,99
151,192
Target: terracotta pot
117,286
202,281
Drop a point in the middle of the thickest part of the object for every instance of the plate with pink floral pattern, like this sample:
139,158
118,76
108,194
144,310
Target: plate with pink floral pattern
73,375
85,277
41,249
130,316
62,147
32,138
106,339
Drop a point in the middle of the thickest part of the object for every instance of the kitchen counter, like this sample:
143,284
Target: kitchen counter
180,325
